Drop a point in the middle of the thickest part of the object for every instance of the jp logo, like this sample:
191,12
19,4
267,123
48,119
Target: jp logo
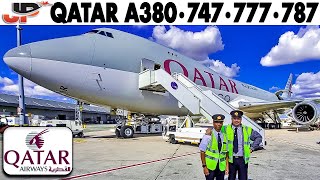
23,10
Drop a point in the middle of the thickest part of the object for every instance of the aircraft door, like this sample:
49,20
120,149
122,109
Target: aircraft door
149,64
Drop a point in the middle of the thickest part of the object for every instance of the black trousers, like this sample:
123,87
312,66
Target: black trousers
219,175
238,166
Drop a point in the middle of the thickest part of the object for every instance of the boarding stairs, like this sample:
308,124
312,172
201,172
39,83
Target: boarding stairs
191,96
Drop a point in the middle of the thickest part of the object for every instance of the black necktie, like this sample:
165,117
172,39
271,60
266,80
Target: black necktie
219,142
235,141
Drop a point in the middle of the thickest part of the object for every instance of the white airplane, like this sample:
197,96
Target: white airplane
102,67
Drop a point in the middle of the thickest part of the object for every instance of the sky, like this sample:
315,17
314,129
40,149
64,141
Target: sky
263,56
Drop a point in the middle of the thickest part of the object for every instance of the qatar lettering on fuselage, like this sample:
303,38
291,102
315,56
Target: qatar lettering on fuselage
201,77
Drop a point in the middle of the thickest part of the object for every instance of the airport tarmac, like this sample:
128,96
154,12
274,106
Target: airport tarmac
100,155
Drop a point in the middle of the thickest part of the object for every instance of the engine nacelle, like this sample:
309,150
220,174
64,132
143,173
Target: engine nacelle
305,113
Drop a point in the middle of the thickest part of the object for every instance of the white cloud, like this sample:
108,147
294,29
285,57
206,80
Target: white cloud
307,85
196,45
292,48
31,89
5,81
221,68
274,88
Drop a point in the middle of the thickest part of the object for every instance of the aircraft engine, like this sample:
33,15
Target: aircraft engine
305,113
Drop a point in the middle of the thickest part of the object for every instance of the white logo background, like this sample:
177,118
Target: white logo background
55,139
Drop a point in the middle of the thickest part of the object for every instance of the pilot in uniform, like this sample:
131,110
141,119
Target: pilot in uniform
242,140
213,151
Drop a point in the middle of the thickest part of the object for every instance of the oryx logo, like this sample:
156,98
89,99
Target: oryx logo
34,140
24,10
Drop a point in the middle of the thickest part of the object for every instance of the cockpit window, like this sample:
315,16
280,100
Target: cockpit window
104,33
109,34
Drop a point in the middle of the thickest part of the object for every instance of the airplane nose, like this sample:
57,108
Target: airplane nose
19,59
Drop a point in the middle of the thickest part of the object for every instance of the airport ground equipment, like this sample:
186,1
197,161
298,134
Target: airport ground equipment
74,125
78,111
183,130
3,123
272,120
192,97
139,124
10,120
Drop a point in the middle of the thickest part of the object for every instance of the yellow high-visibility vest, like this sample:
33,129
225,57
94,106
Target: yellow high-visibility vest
246,133
213,156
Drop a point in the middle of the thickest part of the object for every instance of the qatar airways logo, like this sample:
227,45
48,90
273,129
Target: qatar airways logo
37,151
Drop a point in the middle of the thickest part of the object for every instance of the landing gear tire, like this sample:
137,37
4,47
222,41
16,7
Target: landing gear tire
80,135
118,133
126,131
279,126
172,139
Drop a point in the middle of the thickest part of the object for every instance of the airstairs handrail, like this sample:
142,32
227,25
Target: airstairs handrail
199,96
201,90
194,85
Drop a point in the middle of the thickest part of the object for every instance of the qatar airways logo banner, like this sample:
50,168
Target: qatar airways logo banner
37,151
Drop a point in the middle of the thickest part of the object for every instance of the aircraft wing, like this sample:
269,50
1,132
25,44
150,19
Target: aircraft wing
316,100
258,107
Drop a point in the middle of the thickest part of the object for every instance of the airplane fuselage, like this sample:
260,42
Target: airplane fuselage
104,70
